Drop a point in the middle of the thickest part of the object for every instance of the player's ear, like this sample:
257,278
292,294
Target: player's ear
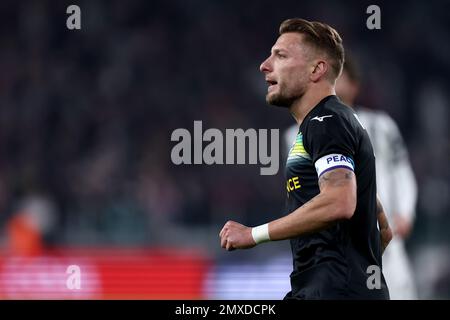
319,69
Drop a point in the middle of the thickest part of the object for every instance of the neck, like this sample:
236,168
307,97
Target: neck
303,105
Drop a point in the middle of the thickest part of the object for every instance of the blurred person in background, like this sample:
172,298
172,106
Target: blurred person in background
26,229
396,184
332,205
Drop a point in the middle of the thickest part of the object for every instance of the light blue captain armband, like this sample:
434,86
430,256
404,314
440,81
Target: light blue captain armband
333,161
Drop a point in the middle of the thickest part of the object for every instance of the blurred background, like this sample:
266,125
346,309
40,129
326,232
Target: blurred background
86,118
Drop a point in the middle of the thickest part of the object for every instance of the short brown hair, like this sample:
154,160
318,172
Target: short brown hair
320,36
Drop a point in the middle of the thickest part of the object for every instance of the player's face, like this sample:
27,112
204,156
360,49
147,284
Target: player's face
286,70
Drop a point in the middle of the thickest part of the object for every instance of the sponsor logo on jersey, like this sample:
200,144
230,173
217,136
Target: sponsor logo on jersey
320,119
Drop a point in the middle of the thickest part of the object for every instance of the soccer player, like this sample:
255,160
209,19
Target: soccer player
332,206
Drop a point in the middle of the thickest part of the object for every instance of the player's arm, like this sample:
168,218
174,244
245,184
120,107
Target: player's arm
336,201
332,151
385,230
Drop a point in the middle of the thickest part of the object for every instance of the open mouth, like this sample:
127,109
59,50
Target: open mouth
272,84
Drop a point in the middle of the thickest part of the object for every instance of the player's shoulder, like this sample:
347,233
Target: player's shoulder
330,126
330,111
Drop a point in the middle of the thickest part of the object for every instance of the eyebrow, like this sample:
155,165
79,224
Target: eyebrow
278,50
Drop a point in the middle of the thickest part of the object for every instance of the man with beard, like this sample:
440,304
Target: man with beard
332,206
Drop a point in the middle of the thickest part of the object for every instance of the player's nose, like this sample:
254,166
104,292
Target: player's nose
265,66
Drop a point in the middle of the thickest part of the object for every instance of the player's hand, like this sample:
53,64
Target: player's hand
236,236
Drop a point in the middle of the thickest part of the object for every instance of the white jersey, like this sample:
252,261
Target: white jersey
396,184
397,189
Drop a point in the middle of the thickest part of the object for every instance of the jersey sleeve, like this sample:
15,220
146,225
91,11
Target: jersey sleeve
331,143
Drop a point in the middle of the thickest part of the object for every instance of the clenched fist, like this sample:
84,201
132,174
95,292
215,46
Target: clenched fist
236,236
